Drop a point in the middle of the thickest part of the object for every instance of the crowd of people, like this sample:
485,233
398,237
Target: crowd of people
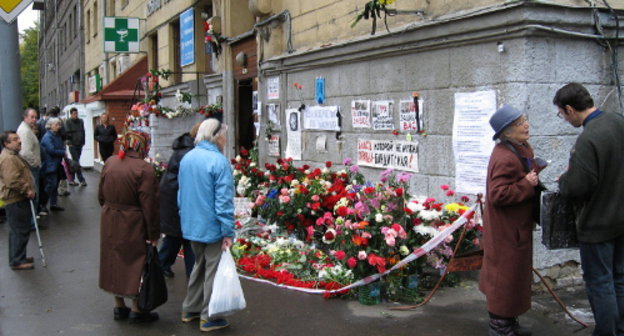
193,206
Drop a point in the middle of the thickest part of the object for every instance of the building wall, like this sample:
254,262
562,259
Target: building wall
438,61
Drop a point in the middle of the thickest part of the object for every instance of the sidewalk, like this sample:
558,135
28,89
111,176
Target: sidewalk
64,298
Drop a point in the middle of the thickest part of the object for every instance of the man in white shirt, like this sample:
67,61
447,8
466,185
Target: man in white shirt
30,152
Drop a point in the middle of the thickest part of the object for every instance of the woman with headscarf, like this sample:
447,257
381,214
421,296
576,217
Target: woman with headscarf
53,151
506,277
128,194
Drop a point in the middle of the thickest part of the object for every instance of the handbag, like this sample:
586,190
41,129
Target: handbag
227,294
558,221
153,288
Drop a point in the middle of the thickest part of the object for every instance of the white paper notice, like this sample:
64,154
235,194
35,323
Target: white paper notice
360,114
321,144
382,115
274,145
273,89
274,113
472,139
407,115
293,147
321,118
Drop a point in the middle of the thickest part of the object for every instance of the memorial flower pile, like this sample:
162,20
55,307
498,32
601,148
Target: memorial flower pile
333,226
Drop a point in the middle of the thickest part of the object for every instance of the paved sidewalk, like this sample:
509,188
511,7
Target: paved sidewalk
64,298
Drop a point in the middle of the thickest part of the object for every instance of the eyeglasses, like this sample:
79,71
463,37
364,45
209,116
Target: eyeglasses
521,121
559,114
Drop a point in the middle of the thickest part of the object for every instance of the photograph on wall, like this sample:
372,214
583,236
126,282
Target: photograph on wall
273,110
274,145
360,114
293,146
382,115
472,139
323,118
408,117
400,155
273,89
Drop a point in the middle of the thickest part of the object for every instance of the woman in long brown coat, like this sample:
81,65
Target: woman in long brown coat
505,276
128,195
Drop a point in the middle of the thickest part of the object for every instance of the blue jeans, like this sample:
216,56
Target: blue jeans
169,251
603,272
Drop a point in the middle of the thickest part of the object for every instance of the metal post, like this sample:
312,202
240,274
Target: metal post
10,80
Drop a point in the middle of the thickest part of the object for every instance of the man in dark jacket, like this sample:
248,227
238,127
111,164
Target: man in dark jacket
105,134
74,127
169,216
594,180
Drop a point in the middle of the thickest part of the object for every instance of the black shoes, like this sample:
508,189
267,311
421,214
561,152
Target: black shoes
136,317
507,327
56,208
121,313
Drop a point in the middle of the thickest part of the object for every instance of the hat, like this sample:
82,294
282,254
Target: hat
134,140
502,118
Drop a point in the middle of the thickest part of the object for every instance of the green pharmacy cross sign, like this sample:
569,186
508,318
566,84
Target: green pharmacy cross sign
121,34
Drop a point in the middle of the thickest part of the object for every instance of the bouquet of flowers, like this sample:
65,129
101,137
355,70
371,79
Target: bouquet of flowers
160,167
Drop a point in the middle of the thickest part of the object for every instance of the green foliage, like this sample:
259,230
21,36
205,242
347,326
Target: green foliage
29,67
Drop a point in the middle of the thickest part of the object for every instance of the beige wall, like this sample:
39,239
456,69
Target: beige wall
326,22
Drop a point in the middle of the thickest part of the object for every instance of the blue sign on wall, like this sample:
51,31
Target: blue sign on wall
187,38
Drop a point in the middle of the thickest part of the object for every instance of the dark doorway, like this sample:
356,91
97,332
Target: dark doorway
245,130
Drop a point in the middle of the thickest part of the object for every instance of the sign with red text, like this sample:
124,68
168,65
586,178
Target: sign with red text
400,155
360,114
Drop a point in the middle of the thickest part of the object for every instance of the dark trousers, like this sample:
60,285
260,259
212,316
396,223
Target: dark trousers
20,221
603,272
169,251
51,187
106,150
75,152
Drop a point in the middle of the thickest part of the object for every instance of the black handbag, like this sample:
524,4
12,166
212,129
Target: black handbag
558,221
153,288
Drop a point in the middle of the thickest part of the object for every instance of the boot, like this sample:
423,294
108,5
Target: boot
520,330
502,327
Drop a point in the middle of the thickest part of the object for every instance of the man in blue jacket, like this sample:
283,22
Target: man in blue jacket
595,180
206,202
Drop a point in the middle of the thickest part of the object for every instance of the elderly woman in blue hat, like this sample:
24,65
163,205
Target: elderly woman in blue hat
512,177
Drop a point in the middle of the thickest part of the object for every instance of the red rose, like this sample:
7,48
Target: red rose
399,192
329,235
351,262
328,164
342,211
340,255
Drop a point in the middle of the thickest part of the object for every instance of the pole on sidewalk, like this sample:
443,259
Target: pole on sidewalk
10,79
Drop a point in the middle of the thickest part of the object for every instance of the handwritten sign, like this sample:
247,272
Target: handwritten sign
274,145
401,155
407,115
382,115
273,89
360,114
321,118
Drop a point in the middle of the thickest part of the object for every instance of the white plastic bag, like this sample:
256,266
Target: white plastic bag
227,295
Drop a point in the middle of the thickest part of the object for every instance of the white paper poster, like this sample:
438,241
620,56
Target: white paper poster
407,115
360,114
274,145
382,115
274,113
273,89
293,147
472,139
401,155
321,118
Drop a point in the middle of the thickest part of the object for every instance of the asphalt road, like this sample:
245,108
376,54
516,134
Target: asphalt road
64,298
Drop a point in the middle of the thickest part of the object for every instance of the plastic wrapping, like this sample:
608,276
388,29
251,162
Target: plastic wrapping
227,294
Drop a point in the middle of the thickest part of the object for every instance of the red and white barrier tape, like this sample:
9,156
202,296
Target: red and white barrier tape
419,252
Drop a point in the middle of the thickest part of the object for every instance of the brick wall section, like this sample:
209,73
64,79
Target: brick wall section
117,111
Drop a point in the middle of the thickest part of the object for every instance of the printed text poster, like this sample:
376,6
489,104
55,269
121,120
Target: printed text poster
382,115
323,118
293,147
401,155
360,114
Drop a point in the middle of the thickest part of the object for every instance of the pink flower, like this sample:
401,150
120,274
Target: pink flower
444,187
362,255
351,262
366,235
465,199
284,191
390,240
450,193
340,254
284,199
315,198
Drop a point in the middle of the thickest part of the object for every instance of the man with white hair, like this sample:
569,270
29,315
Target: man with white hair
31,151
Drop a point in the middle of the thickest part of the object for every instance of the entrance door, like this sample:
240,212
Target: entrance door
245,130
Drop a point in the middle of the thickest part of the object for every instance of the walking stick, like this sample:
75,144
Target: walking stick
32,209
556,297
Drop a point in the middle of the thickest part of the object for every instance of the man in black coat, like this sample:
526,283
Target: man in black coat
74,127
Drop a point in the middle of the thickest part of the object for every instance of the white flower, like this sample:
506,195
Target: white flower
252,164
325,170
415,207
238,158
429,215
425,230
378,218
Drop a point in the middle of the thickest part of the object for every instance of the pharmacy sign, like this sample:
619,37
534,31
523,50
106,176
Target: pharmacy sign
10,9
121,34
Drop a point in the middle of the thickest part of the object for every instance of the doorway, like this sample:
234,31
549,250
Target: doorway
245,129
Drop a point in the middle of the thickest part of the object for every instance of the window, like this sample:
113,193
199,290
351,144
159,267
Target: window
95,19
75,23
154,50
88,25
175,47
